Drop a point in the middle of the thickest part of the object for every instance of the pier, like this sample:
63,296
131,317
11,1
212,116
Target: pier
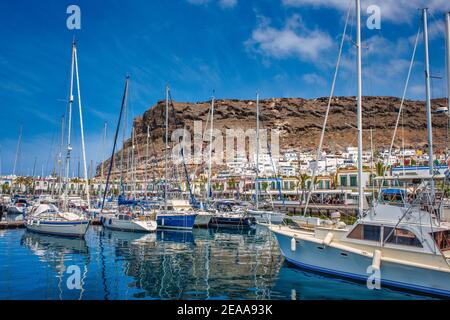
5,224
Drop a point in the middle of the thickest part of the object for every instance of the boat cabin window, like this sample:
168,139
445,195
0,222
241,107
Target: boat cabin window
366,232
442,239
124,217
401,236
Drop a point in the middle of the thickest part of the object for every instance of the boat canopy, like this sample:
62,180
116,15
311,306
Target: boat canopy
393,191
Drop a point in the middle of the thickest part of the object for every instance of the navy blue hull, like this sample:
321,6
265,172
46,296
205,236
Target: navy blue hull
178,221
232,222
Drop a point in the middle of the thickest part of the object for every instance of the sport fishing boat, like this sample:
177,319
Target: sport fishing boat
46,218
403,244
408,247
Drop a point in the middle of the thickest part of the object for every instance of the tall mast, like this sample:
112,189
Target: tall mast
105,127
210,150
19,142
257,151
447,42
146,162
166,148
359,107
83,145
69,128
133,168
111,161
428,96
60,157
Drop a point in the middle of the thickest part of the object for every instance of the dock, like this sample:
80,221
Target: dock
12,224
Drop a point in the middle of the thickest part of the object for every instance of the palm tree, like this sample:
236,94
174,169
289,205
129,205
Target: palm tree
302,178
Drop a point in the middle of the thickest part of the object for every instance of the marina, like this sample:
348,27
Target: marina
340,194
202,264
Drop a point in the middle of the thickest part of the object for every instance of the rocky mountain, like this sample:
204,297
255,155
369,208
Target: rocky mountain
299,122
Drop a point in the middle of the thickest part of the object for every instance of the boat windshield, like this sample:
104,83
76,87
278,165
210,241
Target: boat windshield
442,239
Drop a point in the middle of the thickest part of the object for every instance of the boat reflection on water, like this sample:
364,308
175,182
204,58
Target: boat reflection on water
195,265
177,236
63,256
125,239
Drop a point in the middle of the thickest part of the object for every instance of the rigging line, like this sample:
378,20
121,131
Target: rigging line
336,72
401,106
192,198
203,135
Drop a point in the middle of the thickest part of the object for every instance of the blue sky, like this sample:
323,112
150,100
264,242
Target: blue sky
281,48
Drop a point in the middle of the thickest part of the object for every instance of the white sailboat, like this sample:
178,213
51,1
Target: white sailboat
46,218
262,216
399,244
167,216
130,218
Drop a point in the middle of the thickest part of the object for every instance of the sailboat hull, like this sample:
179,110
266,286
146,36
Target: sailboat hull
176,221
129,225
266,217
232,222
59,228
202,220
348,264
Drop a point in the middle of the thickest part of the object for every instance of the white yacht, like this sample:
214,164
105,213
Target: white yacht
129,221
46,218
400,241
408,246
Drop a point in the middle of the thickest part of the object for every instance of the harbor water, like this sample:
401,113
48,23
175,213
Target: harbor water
202,264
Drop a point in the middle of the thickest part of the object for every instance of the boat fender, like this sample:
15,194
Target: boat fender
376,261
30,222
328,239
110,221
38,223
293,244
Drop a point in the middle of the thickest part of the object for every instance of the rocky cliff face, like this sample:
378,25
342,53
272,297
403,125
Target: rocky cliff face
300,121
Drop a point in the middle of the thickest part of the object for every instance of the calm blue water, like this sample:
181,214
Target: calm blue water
203,264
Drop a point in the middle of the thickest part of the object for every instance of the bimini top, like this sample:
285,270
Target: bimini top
393,191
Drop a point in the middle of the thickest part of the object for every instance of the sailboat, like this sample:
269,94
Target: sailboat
234,217
168,216
47,218
129,216
262,216
403,245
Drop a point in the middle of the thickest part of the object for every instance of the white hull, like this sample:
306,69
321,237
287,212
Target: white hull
134,225
267,217
202,219
59,228
337,261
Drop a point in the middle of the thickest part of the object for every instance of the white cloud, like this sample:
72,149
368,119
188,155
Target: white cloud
398,11
314,79
292,40
227,3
